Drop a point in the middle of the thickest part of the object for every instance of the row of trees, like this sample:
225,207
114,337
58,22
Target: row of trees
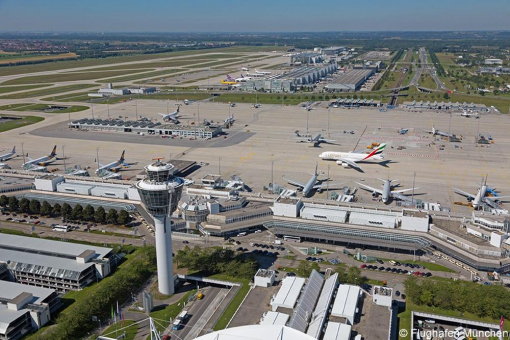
77,322
349,275
211,261
462,296
68,213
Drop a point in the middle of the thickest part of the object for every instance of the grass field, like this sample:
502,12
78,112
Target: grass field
137,57
7,89
26,120
16,58
235,303
142,76
72,76
42,107
10,107
47,91
129,329
427,81
392,80
288,99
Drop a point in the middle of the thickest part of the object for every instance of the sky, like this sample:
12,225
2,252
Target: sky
253,16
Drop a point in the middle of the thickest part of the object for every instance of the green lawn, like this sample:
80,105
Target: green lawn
130,329
70,97
141,76
427,81
7,89
48,91
26,120
10,107
235,303
42,107
72,76
392,80
428,265
171,311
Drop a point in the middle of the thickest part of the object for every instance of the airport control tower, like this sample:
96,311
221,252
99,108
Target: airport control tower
160,191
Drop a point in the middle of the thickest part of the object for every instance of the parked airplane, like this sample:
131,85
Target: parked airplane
242,79
230,120
386,192
42,161
481,196
9,155
468,114
255,75
351,158
315,140
77,171
171,116
229,81
245,69
311,184
263,72
114,166
435,132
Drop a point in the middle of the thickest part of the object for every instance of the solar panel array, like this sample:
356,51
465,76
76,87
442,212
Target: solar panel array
306,305
44,271
115,122
321,310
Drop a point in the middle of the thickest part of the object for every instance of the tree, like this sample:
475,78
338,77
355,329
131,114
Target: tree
57,210
35,207
123,217
45,209
66,211
13,203
4,201
305,268
112,216
100,215
77,212
24,205
354,276
88,213
445,95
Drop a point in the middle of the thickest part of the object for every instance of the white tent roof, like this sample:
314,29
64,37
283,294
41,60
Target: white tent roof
257,332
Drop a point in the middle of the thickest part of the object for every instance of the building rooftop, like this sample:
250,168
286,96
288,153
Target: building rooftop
257,332
351,77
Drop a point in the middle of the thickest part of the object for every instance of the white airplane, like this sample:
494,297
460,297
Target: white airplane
173,116
386,192
114,166
263,72
77,171
468,114
242,79
315,140
255,75
245,69
9,155
435,132
310,185
42,161
230,120
481,196
351,158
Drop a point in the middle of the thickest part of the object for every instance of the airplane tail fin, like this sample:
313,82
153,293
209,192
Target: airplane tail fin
14,149
377,151
122,156
316,167
54,151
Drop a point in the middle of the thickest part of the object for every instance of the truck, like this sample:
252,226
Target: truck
278,242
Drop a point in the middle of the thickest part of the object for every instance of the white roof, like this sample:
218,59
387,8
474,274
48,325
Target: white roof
257,332
275,318
346,301
49,246
289,292
372,219
7,316
10,290
323,214
337,331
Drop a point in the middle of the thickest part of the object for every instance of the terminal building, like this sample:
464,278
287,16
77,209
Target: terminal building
24,309
449,106
307,58
148,127
349,81
60,266
290,81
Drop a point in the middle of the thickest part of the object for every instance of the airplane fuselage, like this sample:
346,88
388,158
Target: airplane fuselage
479,196
357,157
43,161
386,192
309,185
7,156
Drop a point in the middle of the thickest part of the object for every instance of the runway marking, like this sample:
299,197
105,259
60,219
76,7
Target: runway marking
397,139
411,155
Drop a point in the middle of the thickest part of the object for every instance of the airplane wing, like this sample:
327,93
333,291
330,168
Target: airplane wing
491,203
403,190
401,197
350,162
294,182
369,188
162,114
327,185
463,193
30,159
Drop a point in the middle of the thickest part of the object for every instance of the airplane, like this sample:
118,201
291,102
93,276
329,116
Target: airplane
187,101
229,81
481,196
350,158
42,161
255,75
262,72
468,114
245,69
171,116
9,155
242,79
434,132
386,192
114,166
315,140
311,184
105,174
